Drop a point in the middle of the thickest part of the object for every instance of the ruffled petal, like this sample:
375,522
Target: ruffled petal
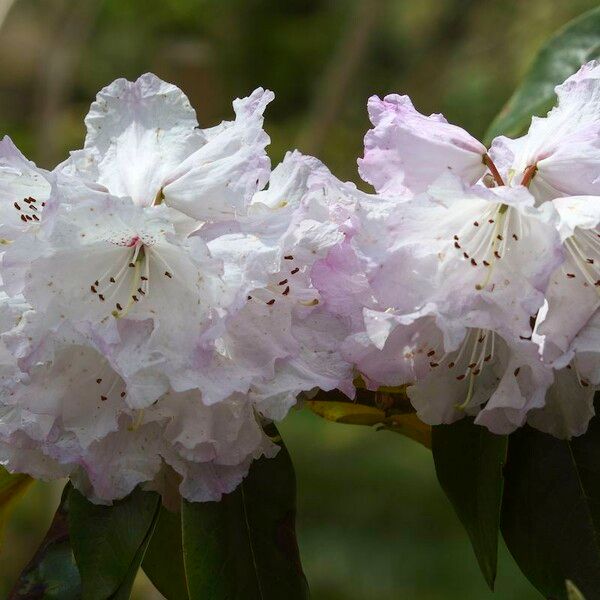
217,182
138,132
406,151
564,146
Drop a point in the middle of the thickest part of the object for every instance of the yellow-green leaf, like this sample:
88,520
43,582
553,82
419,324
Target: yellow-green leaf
347,412
353,413
411,426
12,487
572,592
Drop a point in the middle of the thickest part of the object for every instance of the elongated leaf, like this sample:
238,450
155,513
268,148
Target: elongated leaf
244,547
12,487
410,426
347,412
163,562
551,509
109,541
572,592
386,408
468,462
572,46
52,573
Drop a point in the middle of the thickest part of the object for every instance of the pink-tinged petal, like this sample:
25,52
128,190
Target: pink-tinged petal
564,146
406,151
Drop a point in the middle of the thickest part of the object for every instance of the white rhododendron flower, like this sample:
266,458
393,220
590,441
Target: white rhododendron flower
573,296
24,189
560,153
143,143
453,326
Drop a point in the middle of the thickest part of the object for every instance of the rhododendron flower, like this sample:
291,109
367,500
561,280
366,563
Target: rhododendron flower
143,142
573,296
443,302
24,189
457,368
494,250
560,153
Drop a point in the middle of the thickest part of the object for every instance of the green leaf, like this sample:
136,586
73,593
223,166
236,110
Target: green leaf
572,592
52,573
109,541
572,46
168,576
551,509
244,547
12,487
468,462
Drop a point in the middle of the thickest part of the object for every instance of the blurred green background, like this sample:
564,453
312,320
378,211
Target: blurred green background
373,524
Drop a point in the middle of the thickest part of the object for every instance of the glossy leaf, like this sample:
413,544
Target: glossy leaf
52,573
469,462
12,487
244,547
551,509
109,541
163,562
575,44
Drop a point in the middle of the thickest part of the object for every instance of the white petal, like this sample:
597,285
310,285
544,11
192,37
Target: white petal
138,132
218,180
564,146
20,183
568,409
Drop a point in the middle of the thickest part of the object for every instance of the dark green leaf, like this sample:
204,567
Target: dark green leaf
468,462
52,573
109,541
551,509
168,576
572,46
244,547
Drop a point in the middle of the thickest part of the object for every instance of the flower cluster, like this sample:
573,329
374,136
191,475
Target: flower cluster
164,292
478,277
156,305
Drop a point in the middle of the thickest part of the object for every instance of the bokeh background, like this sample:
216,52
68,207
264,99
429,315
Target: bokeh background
373,523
